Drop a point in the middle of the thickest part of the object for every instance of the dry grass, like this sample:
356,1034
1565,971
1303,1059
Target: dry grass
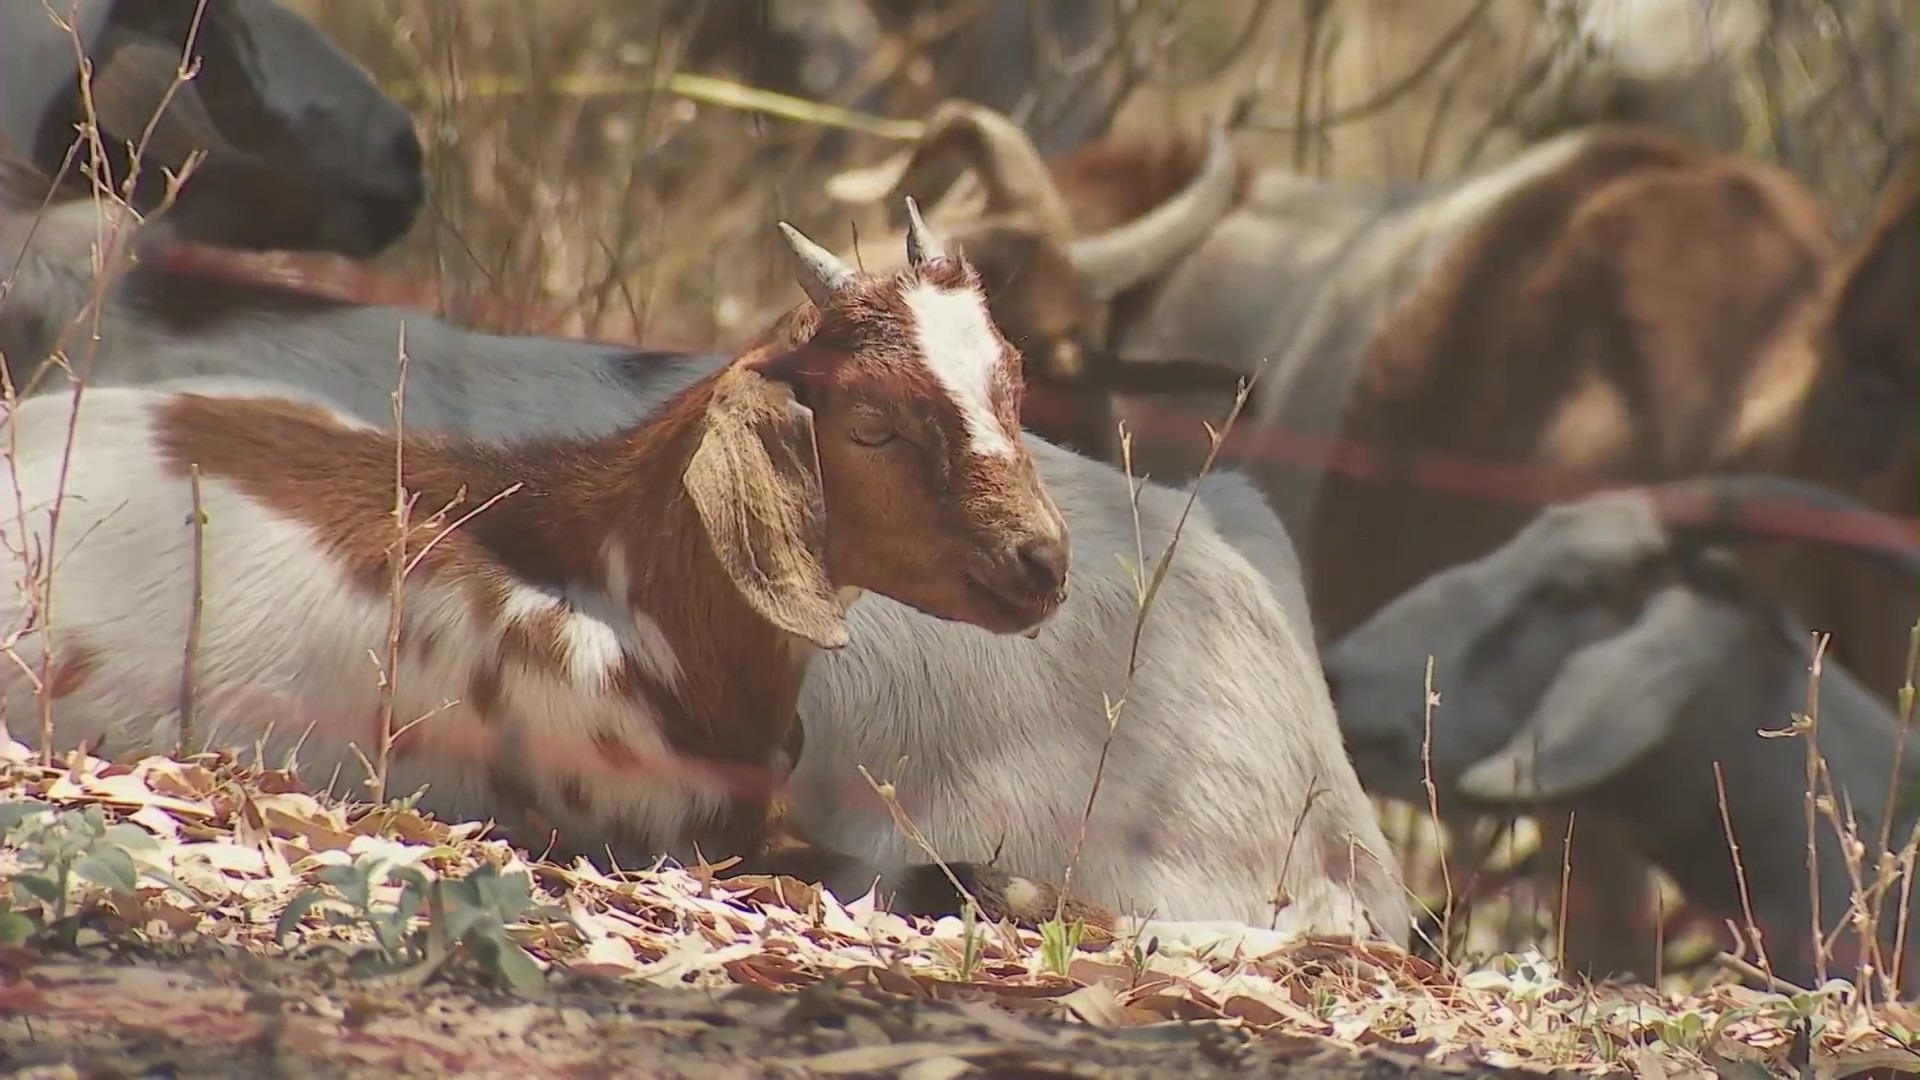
566,182
233,849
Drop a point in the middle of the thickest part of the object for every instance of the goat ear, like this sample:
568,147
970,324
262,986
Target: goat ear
1612,702
755,481
140,79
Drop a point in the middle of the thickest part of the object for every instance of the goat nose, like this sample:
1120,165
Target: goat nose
407,151
1045,562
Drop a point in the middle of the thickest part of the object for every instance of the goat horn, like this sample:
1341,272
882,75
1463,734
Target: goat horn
1747,506
1116,260
961,135
133,84
1611,703
821,273
921,243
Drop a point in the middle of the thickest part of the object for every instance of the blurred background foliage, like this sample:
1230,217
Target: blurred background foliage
573,180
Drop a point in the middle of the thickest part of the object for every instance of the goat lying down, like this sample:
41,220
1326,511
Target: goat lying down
1604,661
303,150
1226,787
599,659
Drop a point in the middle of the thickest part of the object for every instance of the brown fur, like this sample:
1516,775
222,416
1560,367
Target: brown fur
1626,318
1863,438
1625,299
730,481
338,482
1111,181
77,663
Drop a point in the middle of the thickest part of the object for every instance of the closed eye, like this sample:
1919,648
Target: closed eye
872,432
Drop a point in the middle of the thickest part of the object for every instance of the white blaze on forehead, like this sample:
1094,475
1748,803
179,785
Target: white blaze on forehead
958,345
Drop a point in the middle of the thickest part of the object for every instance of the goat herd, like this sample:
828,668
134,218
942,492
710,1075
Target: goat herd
670,604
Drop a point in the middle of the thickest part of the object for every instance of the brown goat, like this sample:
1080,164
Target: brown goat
1863,438
1427,311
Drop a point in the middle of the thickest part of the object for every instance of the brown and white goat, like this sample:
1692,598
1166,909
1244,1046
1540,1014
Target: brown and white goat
994,743
613,651
1609,661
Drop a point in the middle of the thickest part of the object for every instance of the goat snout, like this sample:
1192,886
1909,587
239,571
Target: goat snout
1045,561
1026,582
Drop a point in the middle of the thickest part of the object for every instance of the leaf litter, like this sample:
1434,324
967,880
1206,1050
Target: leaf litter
226,915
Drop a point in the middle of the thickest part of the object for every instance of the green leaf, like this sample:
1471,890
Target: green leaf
19,810
411,902
391,933
506,896
460,893
336,874
462,919
351,881
512,965
297,909
111,868
39,885
15,927
132,837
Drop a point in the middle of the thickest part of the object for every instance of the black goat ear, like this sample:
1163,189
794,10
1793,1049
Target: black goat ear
1612,702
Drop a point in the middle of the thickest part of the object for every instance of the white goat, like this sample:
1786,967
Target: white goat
1208,808
1601,662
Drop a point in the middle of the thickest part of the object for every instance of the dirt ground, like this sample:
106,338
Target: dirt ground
245,1016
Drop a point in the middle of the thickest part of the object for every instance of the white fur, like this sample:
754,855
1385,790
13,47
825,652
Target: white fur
1226,723
959,346
1224,732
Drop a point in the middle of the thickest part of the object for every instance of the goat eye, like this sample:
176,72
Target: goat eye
868,431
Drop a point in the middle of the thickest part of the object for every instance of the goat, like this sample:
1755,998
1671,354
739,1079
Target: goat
1370,304
1236,697
811,48
1609,661
651,602
304,151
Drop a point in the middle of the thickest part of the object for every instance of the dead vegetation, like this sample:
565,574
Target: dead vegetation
216,908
